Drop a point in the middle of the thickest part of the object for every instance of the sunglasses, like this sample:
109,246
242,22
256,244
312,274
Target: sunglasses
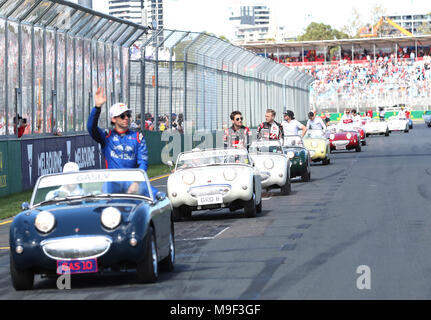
238,119
127,114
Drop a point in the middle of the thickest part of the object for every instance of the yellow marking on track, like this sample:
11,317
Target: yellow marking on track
5,222
159,178
4,248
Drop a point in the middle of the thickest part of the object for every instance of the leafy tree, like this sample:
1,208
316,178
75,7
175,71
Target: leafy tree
321,31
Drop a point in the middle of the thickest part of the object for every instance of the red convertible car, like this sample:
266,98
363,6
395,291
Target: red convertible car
344,140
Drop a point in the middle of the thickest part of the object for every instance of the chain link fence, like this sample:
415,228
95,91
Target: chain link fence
202,79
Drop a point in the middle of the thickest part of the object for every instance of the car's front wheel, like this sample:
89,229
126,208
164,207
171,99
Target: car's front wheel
21,280
358,148
306,176
250,207
286,189
182,213
148,269
167,264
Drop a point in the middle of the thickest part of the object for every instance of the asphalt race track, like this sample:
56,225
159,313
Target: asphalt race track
365,209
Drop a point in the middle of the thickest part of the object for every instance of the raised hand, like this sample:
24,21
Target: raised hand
100,98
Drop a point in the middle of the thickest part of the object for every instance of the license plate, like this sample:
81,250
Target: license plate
213,199
77,266
340,147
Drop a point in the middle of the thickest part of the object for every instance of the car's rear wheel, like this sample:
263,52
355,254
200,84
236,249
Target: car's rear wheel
287,188
406,130
148,269
167,264
21,280
326,161
250,207
387,133
358,148
364,143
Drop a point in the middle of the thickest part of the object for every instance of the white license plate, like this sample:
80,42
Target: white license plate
213,199
340,147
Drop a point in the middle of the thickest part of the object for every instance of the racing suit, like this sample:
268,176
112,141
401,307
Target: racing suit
237,138
272,131
122,150
346,122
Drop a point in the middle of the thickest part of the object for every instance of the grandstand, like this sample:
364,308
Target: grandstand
361,73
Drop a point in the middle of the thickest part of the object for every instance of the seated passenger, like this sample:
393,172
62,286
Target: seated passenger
68,189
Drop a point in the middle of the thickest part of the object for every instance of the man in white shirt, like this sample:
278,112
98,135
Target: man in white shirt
357,120
315,123
291,126
69,189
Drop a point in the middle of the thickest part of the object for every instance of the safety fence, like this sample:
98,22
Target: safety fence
201,79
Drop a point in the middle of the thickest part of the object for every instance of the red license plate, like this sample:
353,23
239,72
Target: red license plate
77,266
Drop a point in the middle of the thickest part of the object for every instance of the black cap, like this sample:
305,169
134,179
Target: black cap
311,114
290,114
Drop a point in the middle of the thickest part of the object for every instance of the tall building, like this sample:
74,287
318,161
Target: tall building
131,10
255,24
415,23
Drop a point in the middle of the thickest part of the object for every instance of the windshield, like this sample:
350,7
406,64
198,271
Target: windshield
212,157
315,134
293,141
91,183
266,146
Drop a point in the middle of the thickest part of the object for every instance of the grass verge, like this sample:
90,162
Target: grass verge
10,205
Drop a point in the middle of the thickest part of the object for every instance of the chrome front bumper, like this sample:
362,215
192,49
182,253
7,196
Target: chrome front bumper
76,247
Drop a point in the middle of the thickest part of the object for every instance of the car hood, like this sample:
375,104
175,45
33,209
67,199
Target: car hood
82,217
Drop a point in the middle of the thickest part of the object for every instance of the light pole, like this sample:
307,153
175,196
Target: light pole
143,14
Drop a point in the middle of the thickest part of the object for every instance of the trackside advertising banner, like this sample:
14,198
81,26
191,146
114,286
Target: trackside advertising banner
49,155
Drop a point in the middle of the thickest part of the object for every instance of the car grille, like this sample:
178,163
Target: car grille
78,247
341,143
222,189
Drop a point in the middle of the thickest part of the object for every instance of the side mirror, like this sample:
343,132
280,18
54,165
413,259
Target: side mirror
25,206
160,196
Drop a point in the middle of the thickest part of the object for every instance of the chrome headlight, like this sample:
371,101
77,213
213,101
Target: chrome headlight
314,144
291,154
229,174
110,218
332,136
349,136
44,222
188,178
269,163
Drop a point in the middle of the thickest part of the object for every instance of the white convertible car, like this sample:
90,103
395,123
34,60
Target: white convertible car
212,179
398,123
375,126
273,164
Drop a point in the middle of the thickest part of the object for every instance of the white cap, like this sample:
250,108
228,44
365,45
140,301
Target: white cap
118,109
70,167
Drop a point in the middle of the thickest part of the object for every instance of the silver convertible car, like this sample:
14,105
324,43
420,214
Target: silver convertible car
212,179
273,164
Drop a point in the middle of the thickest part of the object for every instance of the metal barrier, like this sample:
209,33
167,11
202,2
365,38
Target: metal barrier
202,79
53,56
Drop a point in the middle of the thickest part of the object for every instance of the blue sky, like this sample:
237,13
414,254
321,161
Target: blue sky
212,15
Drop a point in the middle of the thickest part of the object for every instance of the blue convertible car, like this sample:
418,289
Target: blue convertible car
90,221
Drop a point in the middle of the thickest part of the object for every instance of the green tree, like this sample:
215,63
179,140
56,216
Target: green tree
321,31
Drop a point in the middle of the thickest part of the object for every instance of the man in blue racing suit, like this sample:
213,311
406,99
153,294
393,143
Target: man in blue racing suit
121,147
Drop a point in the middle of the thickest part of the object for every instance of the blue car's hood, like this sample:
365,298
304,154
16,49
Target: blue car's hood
72,218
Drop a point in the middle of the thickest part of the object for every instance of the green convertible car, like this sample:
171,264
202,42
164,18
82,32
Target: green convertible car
299,156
